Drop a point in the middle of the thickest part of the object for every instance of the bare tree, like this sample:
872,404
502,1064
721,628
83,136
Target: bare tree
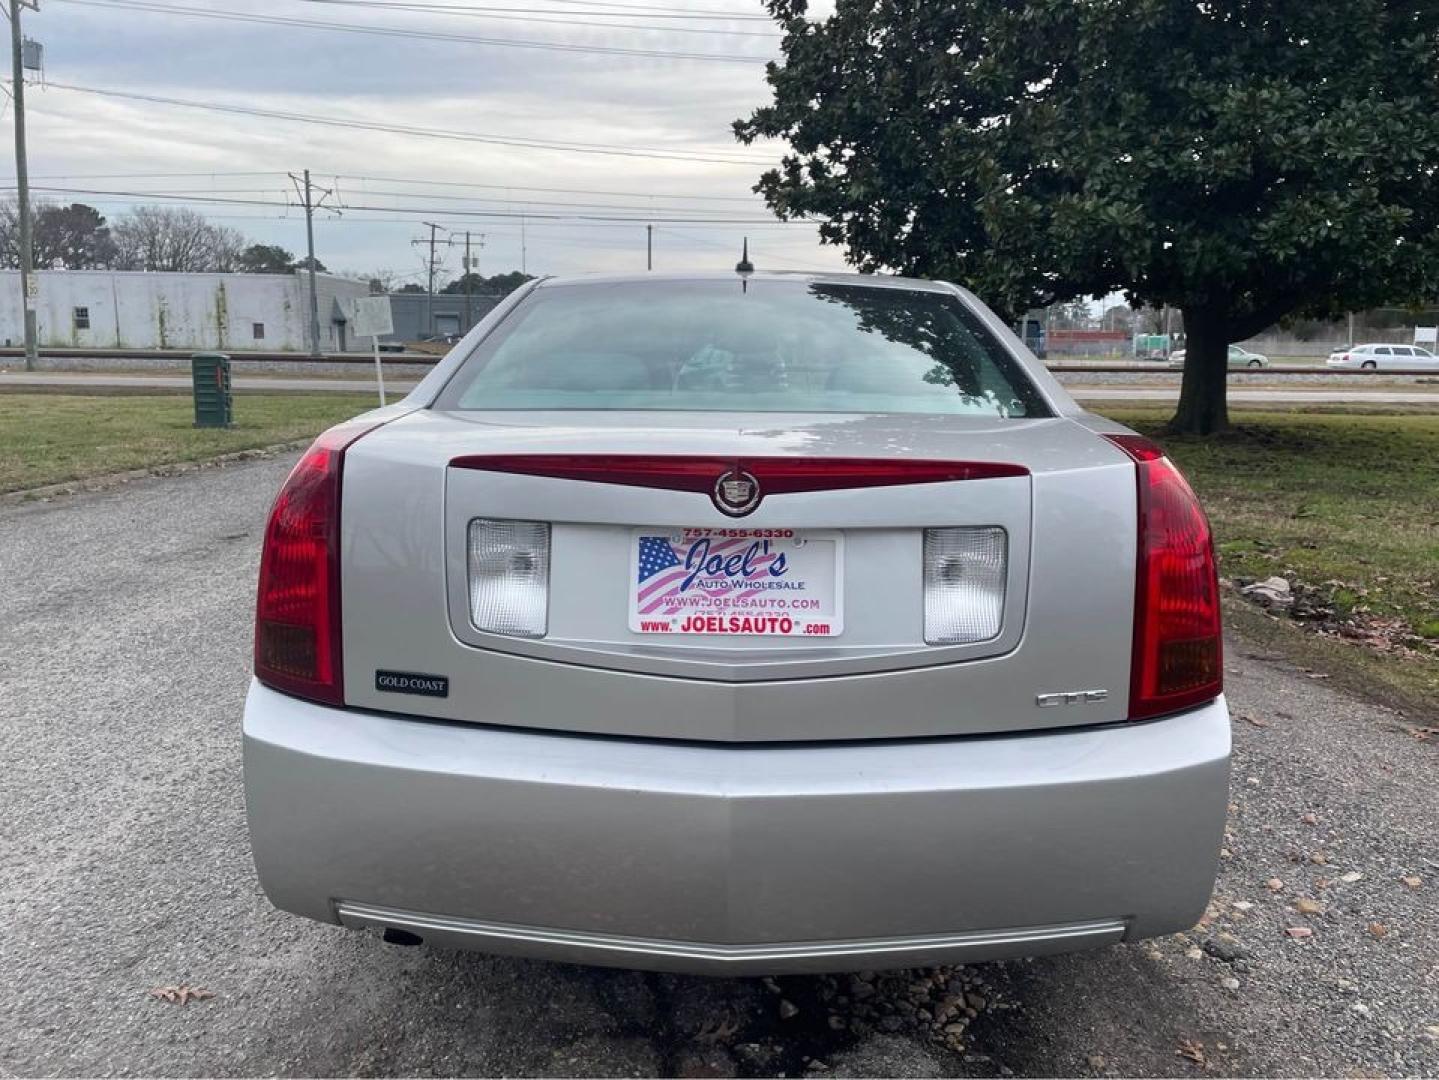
176,239
380,281
227,245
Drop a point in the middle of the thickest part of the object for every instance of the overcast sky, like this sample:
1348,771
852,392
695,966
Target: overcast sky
682,107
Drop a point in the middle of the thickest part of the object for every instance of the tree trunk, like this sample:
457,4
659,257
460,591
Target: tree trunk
1203,405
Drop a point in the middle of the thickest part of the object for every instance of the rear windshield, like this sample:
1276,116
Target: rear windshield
743,346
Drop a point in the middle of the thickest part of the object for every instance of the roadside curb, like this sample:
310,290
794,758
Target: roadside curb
107,481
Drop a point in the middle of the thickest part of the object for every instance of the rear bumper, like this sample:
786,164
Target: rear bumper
736,859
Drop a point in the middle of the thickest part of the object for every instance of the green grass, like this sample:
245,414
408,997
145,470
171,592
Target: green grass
1345,503
1339,500
52,438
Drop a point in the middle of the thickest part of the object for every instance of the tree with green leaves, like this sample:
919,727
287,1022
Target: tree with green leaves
73,237
1242,160
494,285
266,259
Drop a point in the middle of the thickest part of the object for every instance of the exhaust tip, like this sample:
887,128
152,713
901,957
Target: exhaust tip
392,936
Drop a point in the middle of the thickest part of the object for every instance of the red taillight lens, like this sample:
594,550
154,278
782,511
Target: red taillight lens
1178,656
297,614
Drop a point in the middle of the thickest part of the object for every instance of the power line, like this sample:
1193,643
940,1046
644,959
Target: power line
425,35
521,187
542,18
148,175
513,225
225,200
415,181
514,202
403,129
661,11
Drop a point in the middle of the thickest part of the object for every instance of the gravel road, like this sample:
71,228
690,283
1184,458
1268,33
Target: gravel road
124,866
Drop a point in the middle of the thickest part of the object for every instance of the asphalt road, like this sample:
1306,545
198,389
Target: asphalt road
1342,390
124,866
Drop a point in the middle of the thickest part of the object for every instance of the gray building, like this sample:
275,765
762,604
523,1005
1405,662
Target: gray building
132,309
419,315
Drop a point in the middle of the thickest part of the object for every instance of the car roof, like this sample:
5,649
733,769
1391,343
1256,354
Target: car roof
879,281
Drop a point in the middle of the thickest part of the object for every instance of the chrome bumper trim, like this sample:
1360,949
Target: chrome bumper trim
612,950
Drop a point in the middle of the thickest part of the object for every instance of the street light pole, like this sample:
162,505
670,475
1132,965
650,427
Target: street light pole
29,287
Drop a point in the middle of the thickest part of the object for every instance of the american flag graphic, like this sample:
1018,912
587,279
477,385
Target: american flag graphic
662,572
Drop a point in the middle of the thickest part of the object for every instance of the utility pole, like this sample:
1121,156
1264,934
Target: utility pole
649,247
430,288
466,280
307,199
29,286
466,269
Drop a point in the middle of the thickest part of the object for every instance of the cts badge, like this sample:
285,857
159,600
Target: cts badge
412,682
1069,697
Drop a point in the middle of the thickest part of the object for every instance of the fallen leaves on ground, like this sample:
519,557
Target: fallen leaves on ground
1275,884
1413,881
181,994
1306,906
718,1031
1423,734
1256,721
1191,1051
1311,818
1298,933
1378,930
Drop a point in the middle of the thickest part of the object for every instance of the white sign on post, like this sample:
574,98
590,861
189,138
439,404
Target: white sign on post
1426,335
370,317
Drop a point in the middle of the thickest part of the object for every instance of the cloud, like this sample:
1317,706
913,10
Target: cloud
683,106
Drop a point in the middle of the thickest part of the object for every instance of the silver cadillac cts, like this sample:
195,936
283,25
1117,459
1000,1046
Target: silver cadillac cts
738,624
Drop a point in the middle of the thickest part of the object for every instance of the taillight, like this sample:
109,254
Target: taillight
1178,658
297,613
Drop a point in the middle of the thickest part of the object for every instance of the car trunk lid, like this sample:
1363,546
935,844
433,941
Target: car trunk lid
1059,499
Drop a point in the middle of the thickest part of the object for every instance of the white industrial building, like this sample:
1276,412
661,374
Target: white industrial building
136,309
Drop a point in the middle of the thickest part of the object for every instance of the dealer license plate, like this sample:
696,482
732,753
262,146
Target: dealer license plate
736,582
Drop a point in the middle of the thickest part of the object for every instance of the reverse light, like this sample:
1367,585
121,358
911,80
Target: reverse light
297,611
964,579
509,564
1178,658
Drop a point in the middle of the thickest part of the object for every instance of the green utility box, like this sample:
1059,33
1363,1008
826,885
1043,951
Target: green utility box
210,373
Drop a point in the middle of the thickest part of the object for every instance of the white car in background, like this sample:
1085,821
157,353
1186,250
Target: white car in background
1238,357
1386,357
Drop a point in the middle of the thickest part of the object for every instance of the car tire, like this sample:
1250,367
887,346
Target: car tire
1369,365
1256,363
